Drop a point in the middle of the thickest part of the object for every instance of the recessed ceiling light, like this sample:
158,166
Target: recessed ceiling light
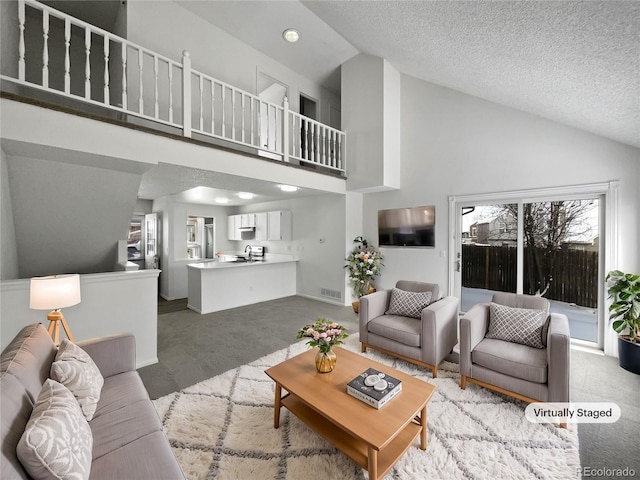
245,195
291,35
288,188
222,200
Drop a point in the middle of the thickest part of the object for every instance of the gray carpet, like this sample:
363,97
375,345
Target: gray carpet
193,347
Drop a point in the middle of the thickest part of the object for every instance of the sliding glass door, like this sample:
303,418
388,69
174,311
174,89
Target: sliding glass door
546,247
487,258
561,259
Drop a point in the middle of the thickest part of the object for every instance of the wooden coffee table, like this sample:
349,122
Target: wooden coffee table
374,439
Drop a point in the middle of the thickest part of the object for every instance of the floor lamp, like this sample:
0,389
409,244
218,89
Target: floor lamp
53,293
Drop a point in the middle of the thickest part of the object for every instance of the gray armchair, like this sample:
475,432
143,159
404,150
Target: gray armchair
425,341
525,372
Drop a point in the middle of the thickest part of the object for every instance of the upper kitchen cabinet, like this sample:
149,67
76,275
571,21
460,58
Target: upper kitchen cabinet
279,225
233,227
247,220
262,232
260,226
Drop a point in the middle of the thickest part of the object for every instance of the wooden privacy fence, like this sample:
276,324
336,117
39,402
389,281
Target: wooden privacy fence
574,273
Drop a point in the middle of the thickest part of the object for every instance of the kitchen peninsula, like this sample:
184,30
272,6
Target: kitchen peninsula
219,285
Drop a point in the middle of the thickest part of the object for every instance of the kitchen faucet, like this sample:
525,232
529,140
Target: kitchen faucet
248,247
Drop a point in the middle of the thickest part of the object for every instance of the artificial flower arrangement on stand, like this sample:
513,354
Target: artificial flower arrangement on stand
364,264
324,334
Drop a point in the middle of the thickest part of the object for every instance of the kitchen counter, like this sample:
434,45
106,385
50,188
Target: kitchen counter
219,264
215,286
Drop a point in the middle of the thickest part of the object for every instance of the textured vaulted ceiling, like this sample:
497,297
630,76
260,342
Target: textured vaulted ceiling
575,62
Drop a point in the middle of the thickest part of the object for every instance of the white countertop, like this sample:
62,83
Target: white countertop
269,260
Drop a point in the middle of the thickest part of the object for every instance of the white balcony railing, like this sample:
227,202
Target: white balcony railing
64,55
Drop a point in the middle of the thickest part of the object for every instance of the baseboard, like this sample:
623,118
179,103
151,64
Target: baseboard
191,307
147,363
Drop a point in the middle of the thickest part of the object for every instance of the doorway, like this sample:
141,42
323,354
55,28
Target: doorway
308,108
270,123
548,242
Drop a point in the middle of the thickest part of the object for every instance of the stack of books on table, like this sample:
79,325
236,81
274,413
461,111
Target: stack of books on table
374,388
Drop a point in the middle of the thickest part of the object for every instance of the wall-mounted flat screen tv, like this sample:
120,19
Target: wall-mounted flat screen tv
407,227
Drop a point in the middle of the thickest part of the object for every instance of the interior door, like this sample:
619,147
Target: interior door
151,258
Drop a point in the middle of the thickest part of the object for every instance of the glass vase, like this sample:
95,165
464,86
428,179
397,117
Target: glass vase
325,361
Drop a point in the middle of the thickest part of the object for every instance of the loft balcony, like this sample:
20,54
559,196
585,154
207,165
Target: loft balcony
65,61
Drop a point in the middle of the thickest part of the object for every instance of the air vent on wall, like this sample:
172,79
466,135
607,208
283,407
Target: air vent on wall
327,292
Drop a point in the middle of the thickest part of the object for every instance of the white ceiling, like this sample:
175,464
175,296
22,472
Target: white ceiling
575,62
192,185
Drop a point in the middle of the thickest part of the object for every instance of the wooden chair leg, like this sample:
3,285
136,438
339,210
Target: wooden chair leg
463,382
363,348
434,372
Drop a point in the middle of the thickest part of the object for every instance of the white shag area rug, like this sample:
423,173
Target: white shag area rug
222,428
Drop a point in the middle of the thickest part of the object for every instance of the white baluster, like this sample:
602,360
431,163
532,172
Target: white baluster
200,91
107,100
223,93
253,119
233,113
21,48
260,123
170,72
156,107
45,49
297,128
124,75
285,130
67,58
213,107
270,142
140,83
186,94
333,148
324,146
242,121
339,152
306,139
314,153
87,65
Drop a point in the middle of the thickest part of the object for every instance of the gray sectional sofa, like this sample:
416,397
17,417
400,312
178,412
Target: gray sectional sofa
128,441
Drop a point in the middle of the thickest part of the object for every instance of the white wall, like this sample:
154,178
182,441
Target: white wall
68,218
9,38
172,217
167,28
111,303
318,224
456,144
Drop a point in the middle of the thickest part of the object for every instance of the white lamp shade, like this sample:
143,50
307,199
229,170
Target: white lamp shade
57,291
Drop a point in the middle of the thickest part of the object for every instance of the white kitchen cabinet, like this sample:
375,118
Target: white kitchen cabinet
247,220
233,226
279,225
262,232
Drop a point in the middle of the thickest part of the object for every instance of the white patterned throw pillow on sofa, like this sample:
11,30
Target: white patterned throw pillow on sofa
74,368
517,325
408,304
57,441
